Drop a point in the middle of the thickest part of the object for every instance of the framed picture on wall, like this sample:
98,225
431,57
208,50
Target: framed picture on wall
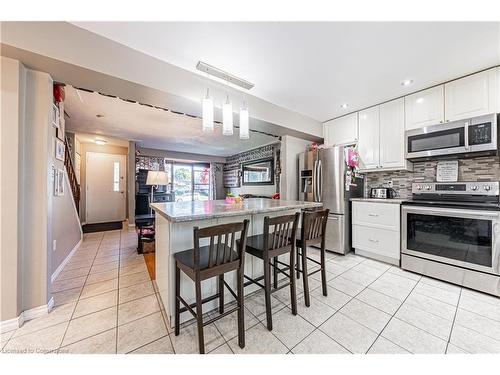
58,182
54,118
59,149
61,128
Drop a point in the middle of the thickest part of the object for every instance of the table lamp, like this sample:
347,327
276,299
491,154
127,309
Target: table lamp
156,178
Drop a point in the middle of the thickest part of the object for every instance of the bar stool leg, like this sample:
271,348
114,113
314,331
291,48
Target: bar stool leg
293,286
267,292
177,302
297,256
221,294
275,272
323,272
199,316
241,311
305,277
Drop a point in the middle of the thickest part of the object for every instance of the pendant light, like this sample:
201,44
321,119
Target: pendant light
244,122
208,113
227,117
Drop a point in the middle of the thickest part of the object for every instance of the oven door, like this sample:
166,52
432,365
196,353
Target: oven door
437,140
466,238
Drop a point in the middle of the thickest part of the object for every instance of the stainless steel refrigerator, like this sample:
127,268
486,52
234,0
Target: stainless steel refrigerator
322,178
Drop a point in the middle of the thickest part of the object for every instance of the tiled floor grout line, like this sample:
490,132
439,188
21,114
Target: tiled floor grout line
393,315
453,323
118,296
76,304
157,294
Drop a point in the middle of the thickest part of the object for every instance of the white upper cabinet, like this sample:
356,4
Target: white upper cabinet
368,143
381,143
425,108
474,95
392,135
341,131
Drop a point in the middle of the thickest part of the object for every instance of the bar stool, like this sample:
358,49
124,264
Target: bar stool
276,240
214,260
313,232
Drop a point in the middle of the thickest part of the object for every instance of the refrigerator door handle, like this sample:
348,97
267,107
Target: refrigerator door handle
320,181
315,182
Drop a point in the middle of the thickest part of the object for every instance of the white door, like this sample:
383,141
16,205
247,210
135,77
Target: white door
392,134
425,108
368,144
106,185
471,96
341,131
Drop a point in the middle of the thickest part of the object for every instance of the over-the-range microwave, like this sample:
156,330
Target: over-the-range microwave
474,136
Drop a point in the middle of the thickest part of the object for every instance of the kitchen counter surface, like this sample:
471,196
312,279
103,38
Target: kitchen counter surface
380,200
201,210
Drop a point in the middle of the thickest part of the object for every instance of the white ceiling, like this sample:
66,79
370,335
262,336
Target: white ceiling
313,68
150,127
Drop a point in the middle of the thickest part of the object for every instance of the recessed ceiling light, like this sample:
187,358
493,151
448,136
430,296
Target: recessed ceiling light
420,100
344,106
100,142
407,82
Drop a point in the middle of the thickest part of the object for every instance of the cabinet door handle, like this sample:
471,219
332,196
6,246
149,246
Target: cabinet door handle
373,215
372,240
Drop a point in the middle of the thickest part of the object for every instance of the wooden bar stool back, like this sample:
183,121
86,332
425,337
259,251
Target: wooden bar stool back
276,240
312,232
223,254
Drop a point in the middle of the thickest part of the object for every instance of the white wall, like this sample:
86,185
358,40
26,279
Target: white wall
11,113
30,217
291,147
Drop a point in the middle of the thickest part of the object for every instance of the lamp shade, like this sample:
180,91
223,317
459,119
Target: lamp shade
157,178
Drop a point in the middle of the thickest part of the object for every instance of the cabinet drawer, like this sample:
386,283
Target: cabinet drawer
385,215
378,241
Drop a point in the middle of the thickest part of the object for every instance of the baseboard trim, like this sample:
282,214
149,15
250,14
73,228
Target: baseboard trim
64,262
36,312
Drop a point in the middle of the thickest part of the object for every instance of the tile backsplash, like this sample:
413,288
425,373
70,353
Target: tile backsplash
475,169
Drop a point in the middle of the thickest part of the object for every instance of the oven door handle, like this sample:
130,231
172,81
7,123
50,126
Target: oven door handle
496,251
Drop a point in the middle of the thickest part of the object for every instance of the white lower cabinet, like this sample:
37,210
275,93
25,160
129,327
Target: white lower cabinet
376,230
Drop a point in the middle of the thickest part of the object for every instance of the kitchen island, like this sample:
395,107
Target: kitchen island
174,222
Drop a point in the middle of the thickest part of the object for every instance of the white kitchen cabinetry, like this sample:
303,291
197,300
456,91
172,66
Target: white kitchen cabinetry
341,131
474,95
381,142
369,138
376,230
425,108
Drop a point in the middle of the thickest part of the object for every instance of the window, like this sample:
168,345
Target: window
116,176
201,182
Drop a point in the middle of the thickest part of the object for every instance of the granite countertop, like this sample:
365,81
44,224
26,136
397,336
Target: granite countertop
380,200
200,210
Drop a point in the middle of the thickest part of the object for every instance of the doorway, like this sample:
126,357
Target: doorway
106,186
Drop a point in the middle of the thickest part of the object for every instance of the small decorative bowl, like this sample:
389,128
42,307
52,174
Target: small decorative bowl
230,199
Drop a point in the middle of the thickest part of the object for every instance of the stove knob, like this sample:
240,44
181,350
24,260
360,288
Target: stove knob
428,187
487,187
474,188
419,187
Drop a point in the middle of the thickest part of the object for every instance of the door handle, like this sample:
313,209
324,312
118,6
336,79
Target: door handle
315,187
320,181
372,240
373,215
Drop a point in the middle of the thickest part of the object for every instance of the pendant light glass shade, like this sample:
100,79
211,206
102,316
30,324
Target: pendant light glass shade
227,117
244,122
208,114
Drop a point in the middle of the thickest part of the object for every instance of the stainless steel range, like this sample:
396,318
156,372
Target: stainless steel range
451,231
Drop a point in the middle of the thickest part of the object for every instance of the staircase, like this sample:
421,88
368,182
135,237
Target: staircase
75,187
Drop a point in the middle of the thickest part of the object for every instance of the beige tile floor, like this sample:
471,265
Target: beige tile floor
106,303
